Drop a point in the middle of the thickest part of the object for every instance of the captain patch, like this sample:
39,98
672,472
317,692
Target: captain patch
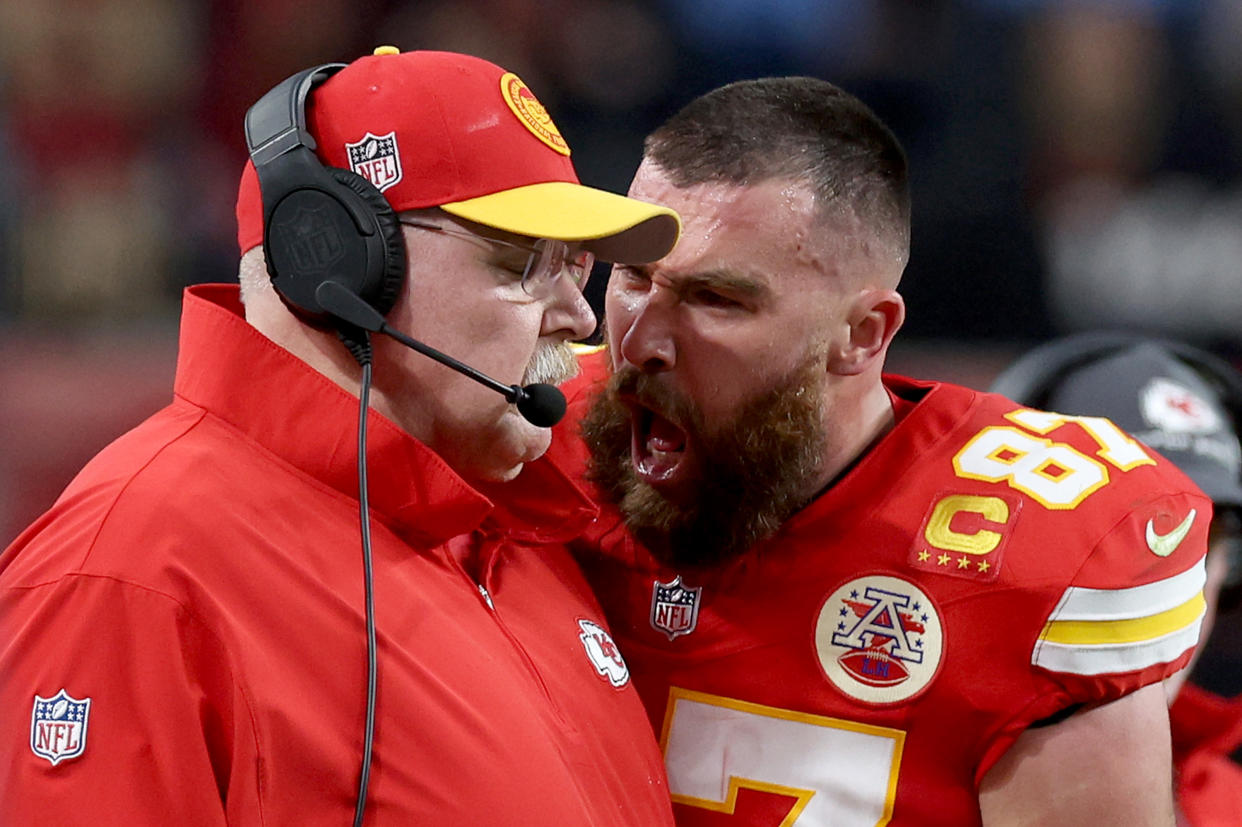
964,535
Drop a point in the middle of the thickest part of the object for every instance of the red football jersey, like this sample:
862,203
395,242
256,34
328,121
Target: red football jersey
983,567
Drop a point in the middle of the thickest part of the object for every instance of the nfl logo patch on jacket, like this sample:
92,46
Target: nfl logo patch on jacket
58,726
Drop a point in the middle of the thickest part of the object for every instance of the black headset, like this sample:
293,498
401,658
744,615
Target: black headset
320,223
323,224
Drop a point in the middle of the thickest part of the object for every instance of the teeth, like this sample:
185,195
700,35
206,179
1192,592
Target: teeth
659,446
658,465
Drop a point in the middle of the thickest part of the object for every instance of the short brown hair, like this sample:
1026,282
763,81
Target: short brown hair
798,128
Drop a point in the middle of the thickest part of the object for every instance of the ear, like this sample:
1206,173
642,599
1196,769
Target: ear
874,318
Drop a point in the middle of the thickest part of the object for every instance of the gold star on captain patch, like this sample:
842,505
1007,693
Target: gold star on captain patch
963,562
984,565
942,560
924,555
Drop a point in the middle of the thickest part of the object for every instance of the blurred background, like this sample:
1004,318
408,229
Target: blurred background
1076,165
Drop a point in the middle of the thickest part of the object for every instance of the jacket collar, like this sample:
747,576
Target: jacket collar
275,399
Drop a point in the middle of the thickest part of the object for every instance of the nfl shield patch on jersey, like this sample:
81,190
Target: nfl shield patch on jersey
674,607
58,726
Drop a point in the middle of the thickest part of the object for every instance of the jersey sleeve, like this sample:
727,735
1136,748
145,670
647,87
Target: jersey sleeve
110,710
1131,614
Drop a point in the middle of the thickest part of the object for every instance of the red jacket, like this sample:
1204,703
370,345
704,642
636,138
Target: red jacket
184,639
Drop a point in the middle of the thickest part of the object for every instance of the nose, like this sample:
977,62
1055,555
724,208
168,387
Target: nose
570,312
647,335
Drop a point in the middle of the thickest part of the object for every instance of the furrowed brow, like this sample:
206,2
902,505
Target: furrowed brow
726,281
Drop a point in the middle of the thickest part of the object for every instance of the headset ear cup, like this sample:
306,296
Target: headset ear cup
384,286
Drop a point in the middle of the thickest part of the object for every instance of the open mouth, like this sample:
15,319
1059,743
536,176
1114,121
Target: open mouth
658,448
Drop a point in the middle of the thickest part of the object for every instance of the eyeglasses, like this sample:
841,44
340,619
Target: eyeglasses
546,259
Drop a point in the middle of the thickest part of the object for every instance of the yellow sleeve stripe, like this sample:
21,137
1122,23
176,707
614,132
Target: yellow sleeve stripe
1107,659
1095,633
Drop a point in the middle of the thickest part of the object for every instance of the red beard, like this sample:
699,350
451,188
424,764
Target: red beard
747,475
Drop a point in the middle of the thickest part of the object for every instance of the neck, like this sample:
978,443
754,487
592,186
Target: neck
854,424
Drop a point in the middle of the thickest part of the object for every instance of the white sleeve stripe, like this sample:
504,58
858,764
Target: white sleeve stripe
1107,659
1078,603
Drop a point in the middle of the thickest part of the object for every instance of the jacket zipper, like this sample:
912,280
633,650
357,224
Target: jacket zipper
486,597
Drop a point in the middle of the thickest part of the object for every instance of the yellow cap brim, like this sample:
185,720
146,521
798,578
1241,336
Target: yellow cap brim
613,227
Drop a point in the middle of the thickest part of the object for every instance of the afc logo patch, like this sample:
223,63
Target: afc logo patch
879,639
675,607
375,158
58,726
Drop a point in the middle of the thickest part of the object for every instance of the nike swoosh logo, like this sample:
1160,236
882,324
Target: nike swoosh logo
1162,545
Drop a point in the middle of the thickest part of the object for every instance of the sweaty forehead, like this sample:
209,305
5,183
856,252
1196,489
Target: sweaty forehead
766,225
772,198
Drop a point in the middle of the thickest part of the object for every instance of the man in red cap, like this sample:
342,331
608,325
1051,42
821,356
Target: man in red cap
186,631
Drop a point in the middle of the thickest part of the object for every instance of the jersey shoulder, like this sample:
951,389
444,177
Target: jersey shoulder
1084,470
1079,493
1100,530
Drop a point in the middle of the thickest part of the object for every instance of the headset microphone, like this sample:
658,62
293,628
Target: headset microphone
539,404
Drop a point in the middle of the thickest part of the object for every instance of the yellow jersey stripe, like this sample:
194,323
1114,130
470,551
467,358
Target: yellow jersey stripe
1096,632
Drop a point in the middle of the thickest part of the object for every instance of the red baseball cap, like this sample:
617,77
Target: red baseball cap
440,129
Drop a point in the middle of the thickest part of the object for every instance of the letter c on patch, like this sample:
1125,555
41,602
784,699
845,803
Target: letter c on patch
981,541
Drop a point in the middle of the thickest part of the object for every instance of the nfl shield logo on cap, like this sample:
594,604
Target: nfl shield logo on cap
375,158
675,607
58,726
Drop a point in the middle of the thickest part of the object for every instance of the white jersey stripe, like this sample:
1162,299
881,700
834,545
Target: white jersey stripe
1137,601
1103,660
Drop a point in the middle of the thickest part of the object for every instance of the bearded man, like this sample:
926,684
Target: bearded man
848,597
